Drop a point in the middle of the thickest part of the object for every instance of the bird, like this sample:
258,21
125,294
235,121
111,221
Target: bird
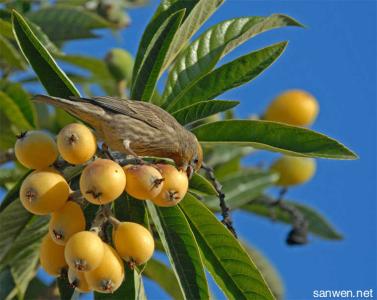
135,128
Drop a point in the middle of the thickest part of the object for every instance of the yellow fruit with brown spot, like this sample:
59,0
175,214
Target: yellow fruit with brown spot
76,143
133,242
51,256
143,181
44,191
294,170
174,188
84,251
78,281
36,149
108,276
294,107
65,222
102,181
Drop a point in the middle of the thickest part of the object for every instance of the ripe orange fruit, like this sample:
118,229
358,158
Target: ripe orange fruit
133,242
294,170
108,276
174,188
51,256
78,281
65,222
143,181
293,107
102,181
44,191
84,251
76,143
36,149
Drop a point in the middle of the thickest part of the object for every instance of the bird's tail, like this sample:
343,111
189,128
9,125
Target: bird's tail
77,107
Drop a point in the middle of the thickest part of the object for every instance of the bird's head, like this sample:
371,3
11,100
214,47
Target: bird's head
195,158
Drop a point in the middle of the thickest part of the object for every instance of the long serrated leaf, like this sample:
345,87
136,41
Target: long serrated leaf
200,184
273,136
146,79
164,277
269,272
6,29
230,75
224,257
12,221
199,14
13,112
51,76
21,98
182,250
318,225
202,109
242,186
165,9
202,55
64,22
9,56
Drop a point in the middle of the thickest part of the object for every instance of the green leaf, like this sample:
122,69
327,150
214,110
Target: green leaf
10,175
199,14
224,257
242,186
269,272
66,292
13,112
13,219
21,98
44,39
7,284
24,254
165,9
182,250
219,154
149,71
6,29
230,75
12,194
202,185
63,23
164,277
318,225
99,71
201,110
131,210
9,56
51,76
202,55
273,136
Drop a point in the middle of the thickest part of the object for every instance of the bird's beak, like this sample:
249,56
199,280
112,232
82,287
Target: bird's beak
190,171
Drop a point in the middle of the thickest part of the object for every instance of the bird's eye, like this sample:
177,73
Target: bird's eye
196,160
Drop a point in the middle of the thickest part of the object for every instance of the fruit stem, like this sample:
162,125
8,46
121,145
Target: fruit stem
114,221
225,210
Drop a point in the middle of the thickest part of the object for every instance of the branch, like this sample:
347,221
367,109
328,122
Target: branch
225,210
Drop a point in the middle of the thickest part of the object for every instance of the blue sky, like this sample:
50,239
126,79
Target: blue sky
334,58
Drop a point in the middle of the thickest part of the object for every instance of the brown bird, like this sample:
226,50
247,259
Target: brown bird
134,127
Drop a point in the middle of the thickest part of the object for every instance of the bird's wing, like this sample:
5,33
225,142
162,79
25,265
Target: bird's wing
142,111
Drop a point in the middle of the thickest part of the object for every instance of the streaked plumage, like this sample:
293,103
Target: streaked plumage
150,130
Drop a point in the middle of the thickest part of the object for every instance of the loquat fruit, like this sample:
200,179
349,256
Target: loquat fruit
65,222
108,276
78,281
143,181
295,107
102,181
44,191
84,251
174,188
51,256
294,170
133,242
35,149
76,143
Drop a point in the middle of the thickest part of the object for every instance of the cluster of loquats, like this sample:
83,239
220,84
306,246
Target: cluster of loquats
298,108
91,262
